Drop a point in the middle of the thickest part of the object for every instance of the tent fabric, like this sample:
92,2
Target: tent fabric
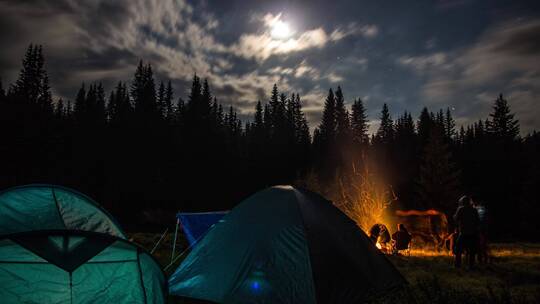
119,273
195,225
347,267
48,207
284,245
58,246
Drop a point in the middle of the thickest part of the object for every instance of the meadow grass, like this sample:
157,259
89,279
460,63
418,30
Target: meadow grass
513,275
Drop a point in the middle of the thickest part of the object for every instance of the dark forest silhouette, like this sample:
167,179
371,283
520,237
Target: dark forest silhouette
145,153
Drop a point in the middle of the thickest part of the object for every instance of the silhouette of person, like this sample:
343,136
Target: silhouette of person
467,222
401,239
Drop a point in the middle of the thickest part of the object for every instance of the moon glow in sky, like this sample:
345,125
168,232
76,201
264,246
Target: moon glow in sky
280,30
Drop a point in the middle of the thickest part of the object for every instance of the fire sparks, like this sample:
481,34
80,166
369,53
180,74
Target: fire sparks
364,196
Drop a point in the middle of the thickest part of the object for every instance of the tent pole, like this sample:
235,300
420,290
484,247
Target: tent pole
174,240
183,252
159,241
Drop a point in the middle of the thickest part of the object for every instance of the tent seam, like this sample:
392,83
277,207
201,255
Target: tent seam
296,192
58,208
141,276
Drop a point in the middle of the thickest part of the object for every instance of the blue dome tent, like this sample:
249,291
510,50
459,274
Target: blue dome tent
284,245
59,246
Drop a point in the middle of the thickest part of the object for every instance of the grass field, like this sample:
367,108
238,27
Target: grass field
513,276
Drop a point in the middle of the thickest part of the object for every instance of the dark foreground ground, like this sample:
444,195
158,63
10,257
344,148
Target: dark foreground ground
513,276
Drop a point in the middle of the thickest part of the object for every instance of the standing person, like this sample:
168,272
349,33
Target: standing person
467,222
483,251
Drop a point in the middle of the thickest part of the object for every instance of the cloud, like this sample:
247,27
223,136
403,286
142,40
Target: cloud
427,62
368,31
87,41
506,58
261,46
306,70
334,78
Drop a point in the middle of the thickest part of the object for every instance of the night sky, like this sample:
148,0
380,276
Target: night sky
458,54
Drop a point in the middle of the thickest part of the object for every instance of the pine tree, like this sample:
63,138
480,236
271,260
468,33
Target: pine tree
359,123
278,116
404,130
343,127
59,111
206,98
461,135
502,125
143,93
298,126
302,127
101,114
32,85
80,109
169,95
197,108
258,123
479,130
385,133
195,93
327,127
26,74
161,98
425,125
220,116
469,135
137,85
69,110
449,125
119,107
180,110
267,119
111,107
274,101
45,97
438,182
439,120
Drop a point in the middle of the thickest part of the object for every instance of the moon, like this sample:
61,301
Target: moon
280,30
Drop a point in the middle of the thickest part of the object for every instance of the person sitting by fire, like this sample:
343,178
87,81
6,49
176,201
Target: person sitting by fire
401,239
374,232
467,222
384,237
380,236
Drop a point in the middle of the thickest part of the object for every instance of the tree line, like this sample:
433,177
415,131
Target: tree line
145,153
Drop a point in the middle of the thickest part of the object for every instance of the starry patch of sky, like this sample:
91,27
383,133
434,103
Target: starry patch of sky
410,54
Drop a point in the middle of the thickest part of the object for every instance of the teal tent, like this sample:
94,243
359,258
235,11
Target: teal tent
284,245
59,246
